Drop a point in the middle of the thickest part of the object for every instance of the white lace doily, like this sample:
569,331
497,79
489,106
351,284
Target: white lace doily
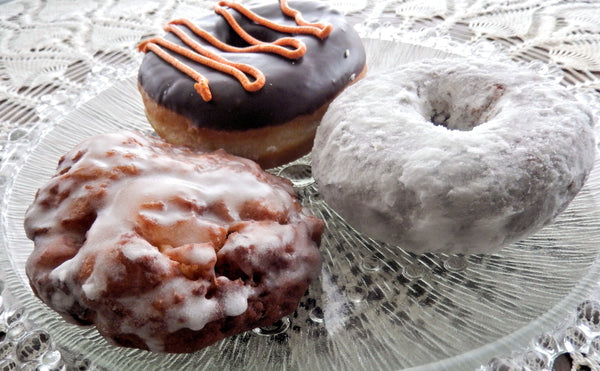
57,55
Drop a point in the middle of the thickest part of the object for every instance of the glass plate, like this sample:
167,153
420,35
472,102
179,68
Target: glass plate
374,306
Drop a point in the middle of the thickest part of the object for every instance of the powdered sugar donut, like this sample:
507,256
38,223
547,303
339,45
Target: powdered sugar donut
168,250
456,155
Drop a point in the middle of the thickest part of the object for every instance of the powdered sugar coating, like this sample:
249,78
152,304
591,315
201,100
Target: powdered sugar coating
152,243
455,155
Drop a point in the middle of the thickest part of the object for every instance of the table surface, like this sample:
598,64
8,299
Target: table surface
56,55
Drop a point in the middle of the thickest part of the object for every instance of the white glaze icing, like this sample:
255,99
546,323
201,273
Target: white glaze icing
159,209
457,155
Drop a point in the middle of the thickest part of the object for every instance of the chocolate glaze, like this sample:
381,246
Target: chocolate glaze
293,87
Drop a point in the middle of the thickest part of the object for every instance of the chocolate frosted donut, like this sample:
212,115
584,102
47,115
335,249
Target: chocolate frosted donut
167,250
275,123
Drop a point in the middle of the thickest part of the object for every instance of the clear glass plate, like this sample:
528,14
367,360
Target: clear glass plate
374,306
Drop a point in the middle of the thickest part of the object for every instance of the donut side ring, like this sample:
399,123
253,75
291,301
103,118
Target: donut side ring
455,155
269,146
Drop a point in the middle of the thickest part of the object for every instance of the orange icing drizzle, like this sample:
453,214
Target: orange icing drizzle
287,47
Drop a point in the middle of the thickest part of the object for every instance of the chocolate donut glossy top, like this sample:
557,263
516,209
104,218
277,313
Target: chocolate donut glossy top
292,88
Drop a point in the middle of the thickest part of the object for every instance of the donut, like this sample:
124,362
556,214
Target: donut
458,155
253,80
167,250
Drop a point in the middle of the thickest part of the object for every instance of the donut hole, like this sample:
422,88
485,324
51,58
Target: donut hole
233,39
262,34
228,35
440,118
458,107
440,114
454,117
